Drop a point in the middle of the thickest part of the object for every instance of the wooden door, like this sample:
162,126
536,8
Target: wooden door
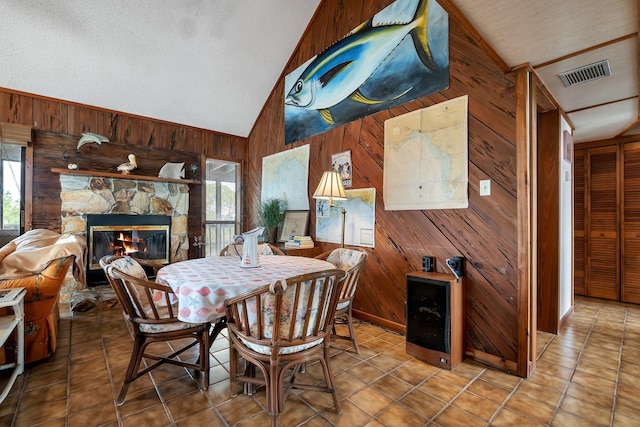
630,286
578,222
602,218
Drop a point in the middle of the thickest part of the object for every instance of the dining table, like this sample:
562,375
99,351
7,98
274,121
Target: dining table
201,285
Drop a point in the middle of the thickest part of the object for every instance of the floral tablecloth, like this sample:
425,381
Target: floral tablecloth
202,284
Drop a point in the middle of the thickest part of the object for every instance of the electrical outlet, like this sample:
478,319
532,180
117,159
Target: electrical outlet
485,187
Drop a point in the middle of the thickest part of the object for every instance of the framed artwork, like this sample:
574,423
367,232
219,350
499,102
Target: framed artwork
398,55
341,163
295,223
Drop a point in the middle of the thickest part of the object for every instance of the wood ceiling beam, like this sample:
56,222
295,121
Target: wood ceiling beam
588,49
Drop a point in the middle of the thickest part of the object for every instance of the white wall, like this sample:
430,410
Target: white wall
566,227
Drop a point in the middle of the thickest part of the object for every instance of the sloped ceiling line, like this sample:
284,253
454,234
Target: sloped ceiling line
583,51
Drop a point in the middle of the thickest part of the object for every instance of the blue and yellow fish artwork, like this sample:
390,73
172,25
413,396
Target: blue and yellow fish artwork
398,55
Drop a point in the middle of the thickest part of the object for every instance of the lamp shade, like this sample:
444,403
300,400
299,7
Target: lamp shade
330,187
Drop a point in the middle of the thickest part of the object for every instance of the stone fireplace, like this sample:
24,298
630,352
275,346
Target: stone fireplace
83,194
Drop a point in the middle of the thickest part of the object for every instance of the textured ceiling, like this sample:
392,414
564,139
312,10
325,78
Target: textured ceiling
205,63
213,63
555,36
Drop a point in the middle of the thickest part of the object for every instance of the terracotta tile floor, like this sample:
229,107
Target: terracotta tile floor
586,376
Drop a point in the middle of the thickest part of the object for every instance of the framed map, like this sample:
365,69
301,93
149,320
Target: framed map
285,175
360,219
426,158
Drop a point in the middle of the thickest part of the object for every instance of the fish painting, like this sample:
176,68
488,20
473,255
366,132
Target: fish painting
380,64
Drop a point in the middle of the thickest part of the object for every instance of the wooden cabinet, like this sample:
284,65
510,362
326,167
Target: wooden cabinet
307,252
435,311
602,223
630,286
607,222
579,255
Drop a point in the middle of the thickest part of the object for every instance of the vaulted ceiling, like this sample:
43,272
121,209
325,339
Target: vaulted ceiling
559,36
213,63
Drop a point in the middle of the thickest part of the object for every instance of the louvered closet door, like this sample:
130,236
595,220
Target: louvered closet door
631,224
603,257
578,223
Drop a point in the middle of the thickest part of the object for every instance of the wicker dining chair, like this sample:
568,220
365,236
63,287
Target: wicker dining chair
352,261
235,249
305,306
148,307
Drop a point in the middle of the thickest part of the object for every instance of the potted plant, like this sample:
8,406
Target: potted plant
270,214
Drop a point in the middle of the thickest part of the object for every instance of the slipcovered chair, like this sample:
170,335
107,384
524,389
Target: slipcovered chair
148,307
38,261
280,326
352,261
235,249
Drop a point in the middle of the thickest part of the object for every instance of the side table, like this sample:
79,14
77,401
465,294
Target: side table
13,299
306,252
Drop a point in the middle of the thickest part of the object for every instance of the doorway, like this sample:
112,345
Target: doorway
221,205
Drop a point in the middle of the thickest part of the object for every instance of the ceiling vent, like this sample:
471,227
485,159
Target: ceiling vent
586,73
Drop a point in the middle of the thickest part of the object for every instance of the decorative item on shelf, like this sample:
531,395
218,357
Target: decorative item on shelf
172,170
127,167
194,172
88,137
71,158
85,138
331,188
270,214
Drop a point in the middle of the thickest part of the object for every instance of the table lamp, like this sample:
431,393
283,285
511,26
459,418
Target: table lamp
330,188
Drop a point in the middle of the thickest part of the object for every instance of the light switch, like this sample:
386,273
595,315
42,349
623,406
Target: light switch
485,187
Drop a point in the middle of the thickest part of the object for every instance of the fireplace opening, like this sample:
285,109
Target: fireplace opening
145,237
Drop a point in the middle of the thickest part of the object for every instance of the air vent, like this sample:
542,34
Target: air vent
586,74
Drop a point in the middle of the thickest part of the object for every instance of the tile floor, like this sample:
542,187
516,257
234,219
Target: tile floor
586,376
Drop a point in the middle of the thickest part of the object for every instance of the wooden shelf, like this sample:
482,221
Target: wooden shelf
9,323
130,176
306,252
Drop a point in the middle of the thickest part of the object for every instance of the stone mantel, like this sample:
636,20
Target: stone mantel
62,171
85,192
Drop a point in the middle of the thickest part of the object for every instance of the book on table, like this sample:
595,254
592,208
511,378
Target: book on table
299,242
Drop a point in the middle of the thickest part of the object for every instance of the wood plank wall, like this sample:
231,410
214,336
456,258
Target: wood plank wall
57,127
485,233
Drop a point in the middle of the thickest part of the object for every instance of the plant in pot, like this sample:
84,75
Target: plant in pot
270,214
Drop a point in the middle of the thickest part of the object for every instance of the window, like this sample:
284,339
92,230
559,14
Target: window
11,187
222,219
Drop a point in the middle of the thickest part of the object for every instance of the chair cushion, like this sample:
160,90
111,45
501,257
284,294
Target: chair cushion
131,267
344,259
343,304
166,327
263,249
268,307
263,349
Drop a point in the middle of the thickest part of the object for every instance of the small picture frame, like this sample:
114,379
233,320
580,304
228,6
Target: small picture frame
295,223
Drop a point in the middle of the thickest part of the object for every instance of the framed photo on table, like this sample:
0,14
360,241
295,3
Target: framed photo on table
295,223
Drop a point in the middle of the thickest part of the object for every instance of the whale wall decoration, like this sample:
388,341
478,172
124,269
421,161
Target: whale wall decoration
400,54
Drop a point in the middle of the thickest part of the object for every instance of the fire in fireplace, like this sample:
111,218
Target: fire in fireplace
139,236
